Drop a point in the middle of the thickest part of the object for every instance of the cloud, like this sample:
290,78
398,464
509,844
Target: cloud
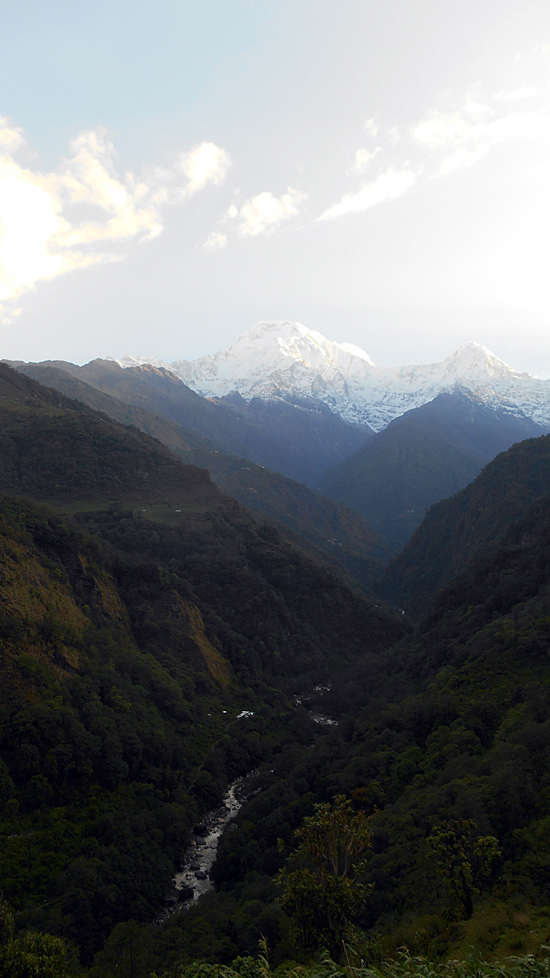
264,213
362,160
470,133
441,128
54,223
11,139
387,186
438,144
520,93
215,241
206,163
371,126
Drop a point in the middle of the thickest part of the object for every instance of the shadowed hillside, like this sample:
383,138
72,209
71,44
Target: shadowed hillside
299,441
456,530
128,648
425,455
330,531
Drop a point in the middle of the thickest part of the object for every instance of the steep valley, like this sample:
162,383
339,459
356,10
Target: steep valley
158,641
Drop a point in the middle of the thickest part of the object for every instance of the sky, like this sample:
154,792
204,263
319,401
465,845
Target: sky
172,172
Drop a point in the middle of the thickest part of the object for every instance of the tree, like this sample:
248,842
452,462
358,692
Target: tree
463,860
324,892
35,955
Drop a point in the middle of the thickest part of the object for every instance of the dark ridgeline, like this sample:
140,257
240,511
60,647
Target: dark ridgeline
458,529
426,455
300,440
325,528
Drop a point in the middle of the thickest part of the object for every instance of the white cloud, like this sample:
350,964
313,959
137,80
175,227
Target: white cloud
468,135
264,213
11,138
481,139
438,144
206,163
52,223
215,241
362,160
519,93
388,186
441,128
372,127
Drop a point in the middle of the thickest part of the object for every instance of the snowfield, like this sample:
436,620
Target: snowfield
284,359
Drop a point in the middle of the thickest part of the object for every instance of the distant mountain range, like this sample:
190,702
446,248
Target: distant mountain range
387,443
426,455
284,359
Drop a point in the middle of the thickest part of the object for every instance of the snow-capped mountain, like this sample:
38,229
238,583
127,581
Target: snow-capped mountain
283,359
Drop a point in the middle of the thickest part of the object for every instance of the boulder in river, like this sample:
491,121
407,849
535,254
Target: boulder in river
185,893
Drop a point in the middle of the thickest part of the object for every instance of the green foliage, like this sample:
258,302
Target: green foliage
463,860
323,893
404,965
36,955
128,649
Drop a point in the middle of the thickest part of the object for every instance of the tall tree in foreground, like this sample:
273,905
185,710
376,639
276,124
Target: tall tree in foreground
463,860
321,883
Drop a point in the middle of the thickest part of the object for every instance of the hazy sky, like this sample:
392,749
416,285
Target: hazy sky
173,171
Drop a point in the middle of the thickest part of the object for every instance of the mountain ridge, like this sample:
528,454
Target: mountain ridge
299,440
284,359
427,454
459,529
337,534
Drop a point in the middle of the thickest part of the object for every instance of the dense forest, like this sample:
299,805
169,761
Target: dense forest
158,642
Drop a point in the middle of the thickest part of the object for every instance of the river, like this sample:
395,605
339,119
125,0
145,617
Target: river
193,879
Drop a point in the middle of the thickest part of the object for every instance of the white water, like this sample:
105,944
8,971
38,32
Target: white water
202,851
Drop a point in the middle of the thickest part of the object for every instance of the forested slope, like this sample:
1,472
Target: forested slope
450,727
128,647
330,531
427,454
456,530
125,635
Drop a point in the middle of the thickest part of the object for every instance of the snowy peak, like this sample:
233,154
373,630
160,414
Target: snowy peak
285,359
296,341
266,350
473,360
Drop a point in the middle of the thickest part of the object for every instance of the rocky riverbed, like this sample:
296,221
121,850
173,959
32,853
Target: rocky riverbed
193,879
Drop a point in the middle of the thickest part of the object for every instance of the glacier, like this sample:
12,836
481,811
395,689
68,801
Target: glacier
287,360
